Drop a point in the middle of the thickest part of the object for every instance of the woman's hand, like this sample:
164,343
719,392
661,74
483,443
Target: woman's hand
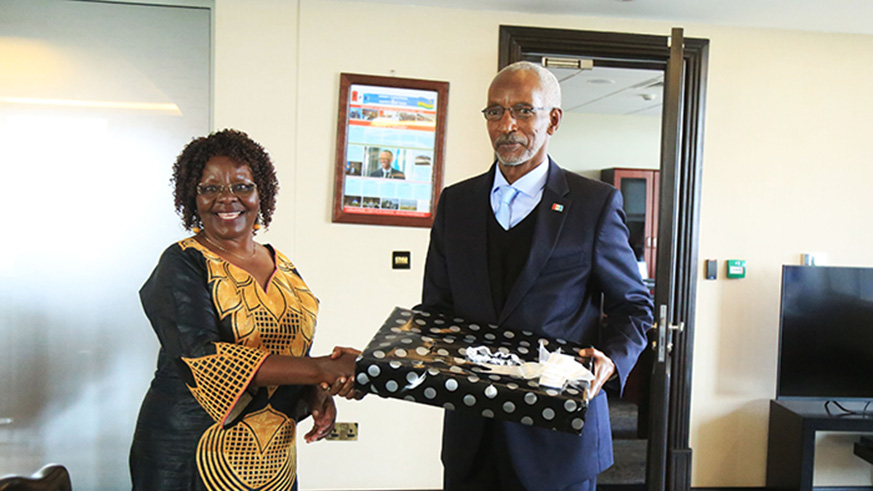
334,373
603,369
323,415
337,371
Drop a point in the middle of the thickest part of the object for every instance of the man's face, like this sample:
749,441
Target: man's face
385,159
519,141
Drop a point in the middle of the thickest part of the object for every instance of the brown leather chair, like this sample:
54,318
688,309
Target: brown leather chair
52,477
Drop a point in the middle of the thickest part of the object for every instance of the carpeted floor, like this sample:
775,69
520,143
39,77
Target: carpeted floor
630,452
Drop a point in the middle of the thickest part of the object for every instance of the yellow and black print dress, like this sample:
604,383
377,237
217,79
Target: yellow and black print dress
200,426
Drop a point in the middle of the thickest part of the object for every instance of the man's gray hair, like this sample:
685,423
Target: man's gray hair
549,83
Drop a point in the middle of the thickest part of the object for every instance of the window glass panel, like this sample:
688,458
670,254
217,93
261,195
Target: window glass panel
96,101
633,191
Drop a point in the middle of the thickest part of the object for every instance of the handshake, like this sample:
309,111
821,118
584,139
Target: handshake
339,373
336,376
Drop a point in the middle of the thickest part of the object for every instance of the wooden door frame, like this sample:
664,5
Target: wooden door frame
517,43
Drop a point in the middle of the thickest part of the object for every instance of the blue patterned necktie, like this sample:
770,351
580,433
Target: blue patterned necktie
507,193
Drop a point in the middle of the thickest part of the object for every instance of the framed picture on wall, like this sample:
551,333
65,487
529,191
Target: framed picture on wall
389,150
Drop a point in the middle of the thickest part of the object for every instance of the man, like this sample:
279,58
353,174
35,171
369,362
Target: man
542,262
385,170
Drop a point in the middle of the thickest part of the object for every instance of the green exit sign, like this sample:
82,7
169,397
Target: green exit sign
736,268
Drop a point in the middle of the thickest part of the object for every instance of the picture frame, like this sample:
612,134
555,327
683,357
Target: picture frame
390,147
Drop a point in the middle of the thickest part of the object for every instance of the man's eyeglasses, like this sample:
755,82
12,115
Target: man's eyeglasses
519,112
240,189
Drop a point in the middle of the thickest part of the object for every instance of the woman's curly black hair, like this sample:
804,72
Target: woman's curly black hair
238,147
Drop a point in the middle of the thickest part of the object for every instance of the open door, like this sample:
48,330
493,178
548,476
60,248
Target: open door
682,141
683,62
665,280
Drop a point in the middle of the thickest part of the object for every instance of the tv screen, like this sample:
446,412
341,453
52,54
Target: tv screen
826,333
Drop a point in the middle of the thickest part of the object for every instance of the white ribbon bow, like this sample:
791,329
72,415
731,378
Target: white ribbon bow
554,369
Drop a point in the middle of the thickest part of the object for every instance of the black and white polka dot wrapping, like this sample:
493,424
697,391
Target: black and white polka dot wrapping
420,357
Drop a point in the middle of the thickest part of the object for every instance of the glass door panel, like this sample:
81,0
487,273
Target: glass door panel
96,101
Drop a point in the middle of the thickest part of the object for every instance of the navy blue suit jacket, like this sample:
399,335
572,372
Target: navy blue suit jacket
579,254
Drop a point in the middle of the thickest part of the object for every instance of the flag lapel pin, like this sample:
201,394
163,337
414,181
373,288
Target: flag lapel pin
557,207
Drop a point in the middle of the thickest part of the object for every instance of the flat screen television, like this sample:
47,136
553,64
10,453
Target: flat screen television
826,333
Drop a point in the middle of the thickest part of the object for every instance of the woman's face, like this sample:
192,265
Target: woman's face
231,211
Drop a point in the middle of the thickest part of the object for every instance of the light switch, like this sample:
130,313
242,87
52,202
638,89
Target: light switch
401,260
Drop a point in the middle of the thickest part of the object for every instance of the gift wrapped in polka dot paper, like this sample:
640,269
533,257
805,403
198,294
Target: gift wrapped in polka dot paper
421,357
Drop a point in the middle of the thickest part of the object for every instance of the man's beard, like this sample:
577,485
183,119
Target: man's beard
513,161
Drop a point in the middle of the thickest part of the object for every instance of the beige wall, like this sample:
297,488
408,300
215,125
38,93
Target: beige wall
784,173
588,143
786,169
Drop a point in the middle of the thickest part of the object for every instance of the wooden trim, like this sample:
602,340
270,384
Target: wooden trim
517,41
668,276
442,90
697,65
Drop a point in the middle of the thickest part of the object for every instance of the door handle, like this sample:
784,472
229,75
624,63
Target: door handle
661,343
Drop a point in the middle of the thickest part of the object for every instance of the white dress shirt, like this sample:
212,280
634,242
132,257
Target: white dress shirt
530,192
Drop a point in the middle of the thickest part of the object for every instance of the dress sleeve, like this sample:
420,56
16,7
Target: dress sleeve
179,305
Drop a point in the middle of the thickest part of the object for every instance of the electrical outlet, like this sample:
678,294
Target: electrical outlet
344,432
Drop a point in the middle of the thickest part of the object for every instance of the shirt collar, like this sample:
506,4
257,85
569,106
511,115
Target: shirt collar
529,184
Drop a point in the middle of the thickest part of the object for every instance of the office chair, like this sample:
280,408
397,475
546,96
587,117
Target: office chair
51,477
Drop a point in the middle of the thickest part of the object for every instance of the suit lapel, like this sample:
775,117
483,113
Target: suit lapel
474,256
550,220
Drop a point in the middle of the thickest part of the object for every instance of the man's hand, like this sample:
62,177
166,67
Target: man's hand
603,369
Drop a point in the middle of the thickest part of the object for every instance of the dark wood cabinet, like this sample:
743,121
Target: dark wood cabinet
639,189
791,440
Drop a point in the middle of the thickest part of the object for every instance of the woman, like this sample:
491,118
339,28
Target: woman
235,321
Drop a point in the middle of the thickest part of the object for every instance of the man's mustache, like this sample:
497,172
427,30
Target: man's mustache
501,140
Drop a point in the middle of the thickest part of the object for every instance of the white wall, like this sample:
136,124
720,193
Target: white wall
588,143
785,171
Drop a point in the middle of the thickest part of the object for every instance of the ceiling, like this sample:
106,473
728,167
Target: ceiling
603,90
638,92
844,16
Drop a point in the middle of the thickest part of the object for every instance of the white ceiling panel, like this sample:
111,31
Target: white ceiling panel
611,90
849,16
